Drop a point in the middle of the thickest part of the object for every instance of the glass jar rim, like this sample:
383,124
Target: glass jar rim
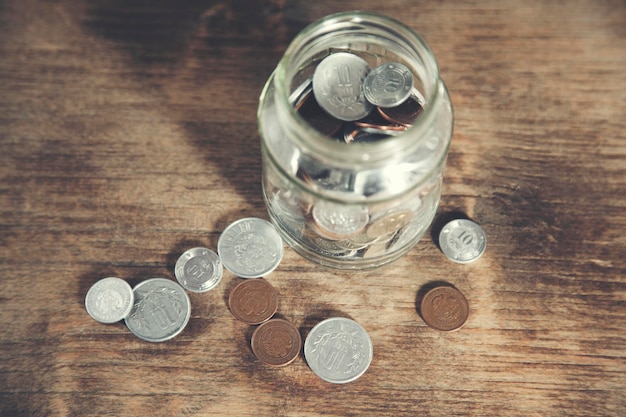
370,152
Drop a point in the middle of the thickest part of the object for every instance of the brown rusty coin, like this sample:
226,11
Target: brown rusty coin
445,309
317,117
253,301
276,342
404,114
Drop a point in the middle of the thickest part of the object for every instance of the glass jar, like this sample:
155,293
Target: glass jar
363,195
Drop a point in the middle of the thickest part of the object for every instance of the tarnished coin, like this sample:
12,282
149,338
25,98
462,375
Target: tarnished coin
109,300
389,223
276,342
198,270
253,301
338,350
338,86
444,308
337,221
250,247
319,119
388,85
462,241
405,113
161,310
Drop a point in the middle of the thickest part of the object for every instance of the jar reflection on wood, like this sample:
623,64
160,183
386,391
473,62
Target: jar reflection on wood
349,184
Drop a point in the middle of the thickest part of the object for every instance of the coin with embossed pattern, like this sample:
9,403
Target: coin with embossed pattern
444,308
161,310
462,241
338,350
276,342
338,221
250,247
253,301
388,85
389,222
109,300
338,86
198,270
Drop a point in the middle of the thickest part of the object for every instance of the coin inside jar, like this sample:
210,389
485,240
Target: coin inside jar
253,301
444,308
276,342
405,113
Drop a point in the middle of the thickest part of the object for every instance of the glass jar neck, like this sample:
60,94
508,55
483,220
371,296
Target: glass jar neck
367,34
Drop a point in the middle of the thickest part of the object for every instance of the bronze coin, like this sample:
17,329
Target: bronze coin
317,117
276,342
445,309
404,114
253,301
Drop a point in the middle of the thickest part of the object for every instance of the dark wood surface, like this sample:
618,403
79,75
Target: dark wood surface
128,135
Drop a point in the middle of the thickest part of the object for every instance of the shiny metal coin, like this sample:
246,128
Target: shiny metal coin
338,350
338,86
161,310
198,270
250,247
462,241
109,300
388,85
338,221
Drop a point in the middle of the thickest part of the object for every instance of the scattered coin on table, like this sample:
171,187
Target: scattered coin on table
161,310
462,241
444,308
198,270
276,342
338,350
250,247
253,301
109,300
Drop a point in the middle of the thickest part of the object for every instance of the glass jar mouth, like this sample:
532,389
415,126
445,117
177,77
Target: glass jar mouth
339,32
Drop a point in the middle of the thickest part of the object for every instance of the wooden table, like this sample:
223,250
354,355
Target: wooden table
128,134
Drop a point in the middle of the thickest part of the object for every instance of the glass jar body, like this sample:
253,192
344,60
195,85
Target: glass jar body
361,204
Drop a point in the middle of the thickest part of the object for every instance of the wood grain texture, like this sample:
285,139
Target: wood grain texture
128,135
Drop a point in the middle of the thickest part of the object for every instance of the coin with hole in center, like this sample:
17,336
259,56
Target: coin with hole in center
253,301
276,342
444,308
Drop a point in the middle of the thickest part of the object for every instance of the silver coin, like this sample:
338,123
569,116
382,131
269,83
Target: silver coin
198,270
462,241
338,350
337,221
250,247
109,300
301,91
161,310
338,86
388,85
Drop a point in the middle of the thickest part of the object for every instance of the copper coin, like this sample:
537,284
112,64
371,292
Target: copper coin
404,114
317,117
445,309
253,301
276,342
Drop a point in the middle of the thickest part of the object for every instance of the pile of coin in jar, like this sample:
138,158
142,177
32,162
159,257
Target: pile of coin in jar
337,349
346,216
382,101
